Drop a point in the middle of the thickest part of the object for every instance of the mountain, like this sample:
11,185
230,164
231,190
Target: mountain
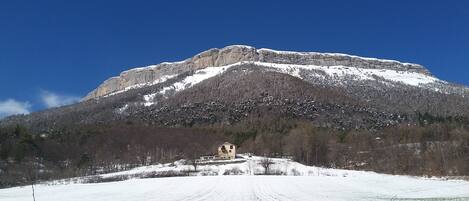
233,54
227,85
326,109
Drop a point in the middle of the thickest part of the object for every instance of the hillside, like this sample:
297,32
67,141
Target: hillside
325,109
386,92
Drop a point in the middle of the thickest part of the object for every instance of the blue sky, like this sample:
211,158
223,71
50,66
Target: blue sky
54,52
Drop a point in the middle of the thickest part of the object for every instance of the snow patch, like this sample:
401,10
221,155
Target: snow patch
122,109
189,81
162,79
149,99
404,77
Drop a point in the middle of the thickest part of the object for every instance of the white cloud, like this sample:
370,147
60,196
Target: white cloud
51,99
11,107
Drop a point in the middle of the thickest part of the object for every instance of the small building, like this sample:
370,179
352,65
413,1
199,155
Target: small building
227,151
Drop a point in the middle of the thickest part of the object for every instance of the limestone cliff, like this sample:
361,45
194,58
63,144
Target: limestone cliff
236,53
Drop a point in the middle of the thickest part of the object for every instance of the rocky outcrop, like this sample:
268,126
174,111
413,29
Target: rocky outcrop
232,54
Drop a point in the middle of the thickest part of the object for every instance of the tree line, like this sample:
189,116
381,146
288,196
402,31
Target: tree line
439,147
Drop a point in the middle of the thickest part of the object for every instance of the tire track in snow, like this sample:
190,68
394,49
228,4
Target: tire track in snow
194,191
240,188
210,194
171,184
264,191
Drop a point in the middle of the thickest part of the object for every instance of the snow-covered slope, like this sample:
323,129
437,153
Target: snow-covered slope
332,75
189,81
312,183
340,72
323,69
144,76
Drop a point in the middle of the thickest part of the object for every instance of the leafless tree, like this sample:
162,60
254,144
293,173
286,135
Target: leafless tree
266,163
32,174
194,163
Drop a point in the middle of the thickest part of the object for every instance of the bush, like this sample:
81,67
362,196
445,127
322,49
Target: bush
208,173
100,179
169,173
271,172
295,172
233,171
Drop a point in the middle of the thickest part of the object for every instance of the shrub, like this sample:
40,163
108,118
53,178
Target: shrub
233,171
295,172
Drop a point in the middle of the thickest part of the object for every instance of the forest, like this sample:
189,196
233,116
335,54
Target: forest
434,146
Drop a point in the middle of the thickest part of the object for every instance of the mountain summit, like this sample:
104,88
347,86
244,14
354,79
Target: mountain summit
230,55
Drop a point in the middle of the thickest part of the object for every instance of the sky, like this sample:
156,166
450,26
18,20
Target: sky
53,53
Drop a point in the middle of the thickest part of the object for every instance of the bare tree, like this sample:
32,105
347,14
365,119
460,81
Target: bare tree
32,186
32,174
194,163
266,163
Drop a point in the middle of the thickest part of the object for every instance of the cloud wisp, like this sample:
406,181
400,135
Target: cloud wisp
50,99
12,107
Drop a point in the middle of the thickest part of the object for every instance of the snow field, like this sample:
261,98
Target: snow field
240,188
313,184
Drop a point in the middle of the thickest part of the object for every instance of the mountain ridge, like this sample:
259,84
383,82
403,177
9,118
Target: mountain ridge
215,57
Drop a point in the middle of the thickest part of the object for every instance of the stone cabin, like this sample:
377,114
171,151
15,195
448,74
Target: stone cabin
227,151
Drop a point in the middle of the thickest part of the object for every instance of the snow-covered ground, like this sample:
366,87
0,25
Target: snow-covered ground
237,188
312,183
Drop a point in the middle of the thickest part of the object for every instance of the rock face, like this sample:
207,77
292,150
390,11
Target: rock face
237,53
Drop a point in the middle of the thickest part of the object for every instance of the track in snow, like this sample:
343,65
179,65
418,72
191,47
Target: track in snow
239,188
